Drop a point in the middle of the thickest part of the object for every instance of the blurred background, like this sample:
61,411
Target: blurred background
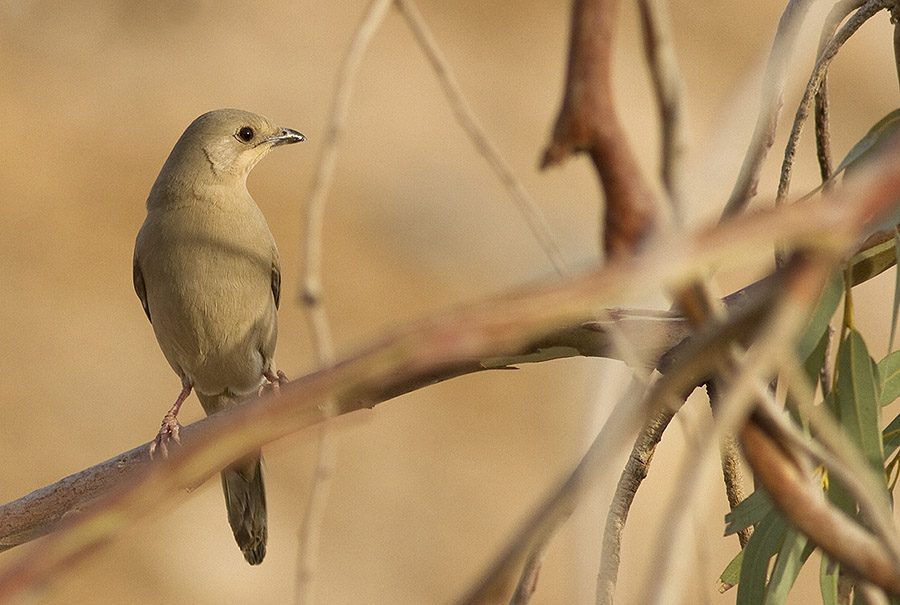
427,487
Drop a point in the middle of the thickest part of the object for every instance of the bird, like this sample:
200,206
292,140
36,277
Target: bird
207,273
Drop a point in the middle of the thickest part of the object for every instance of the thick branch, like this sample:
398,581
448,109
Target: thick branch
588,122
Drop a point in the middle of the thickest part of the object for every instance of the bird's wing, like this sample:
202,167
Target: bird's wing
276,282
141,289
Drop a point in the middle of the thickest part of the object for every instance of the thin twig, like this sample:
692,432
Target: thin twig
659,48
862,15
633,474
465,117
835,17
311,297
772,98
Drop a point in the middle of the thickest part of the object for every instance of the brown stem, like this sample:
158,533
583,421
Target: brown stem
587,122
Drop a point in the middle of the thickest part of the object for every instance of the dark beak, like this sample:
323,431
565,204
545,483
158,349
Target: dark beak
286,137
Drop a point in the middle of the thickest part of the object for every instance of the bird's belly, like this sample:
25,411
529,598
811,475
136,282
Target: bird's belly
216,323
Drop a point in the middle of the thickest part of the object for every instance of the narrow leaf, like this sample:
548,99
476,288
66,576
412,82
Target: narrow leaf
821,316
857,398
889,373
828,579
891,436
791,557
896,291
732,573
881,131
765,542
749,512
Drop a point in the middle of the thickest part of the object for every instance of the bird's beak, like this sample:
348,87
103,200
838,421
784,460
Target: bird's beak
286,137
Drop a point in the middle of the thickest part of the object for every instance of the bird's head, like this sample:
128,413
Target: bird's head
226,143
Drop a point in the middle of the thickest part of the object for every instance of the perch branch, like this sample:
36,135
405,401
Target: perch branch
587,122
449,344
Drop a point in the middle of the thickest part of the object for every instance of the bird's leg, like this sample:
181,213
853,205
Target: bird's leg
274,381
169,426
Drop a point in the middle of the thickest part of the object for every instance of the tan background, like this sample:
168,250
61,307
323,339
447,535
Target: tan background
426,488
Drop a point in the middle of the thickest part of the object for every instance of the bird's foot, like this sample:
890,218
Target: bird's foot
168,430
274,382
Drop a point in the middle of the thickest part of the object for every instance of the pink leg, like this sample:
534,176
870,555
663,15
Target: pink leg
169,427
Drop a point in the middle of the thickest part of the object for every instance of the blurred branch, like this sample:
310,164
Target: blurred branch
519,325
311,296
465,117
770,103
587,122
659,47
815,81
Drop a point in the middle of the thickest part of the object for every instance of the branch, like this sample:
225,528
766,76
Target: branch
632,475
815,81
587,122
770,103
462,340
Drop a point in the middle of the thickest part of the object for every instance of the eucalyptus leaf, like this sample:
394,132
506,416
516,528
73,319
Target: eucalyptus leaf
750,511
896,307
793,554
821,316
891,437
860,152
889,374
857,398
763,544
731,575
828,579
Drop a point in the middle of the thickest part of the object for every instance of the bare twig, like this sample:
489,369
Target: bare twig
771,100
587,122
635,471
311,297
660,50
836,15
465,117
815,80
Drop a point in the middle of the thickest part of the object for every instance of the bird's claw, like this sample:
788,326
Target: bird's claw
273,382
168,430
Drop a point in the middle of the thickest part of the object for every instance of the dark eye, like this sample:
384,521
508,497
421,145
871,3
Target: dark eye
246,134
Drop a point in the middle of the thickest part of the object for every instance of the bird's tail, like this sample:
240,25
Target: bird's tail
245,495
245,500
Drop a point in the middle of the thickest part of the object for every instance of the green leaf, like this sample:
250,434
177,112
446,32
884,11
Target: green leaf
749,512
891,436
828,581
732,572
857,398
791,557
765,542
889,373
879,132
896,290
821,316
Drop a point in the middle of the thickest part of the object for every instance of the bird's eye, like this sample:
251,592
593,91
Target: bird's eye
246,134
